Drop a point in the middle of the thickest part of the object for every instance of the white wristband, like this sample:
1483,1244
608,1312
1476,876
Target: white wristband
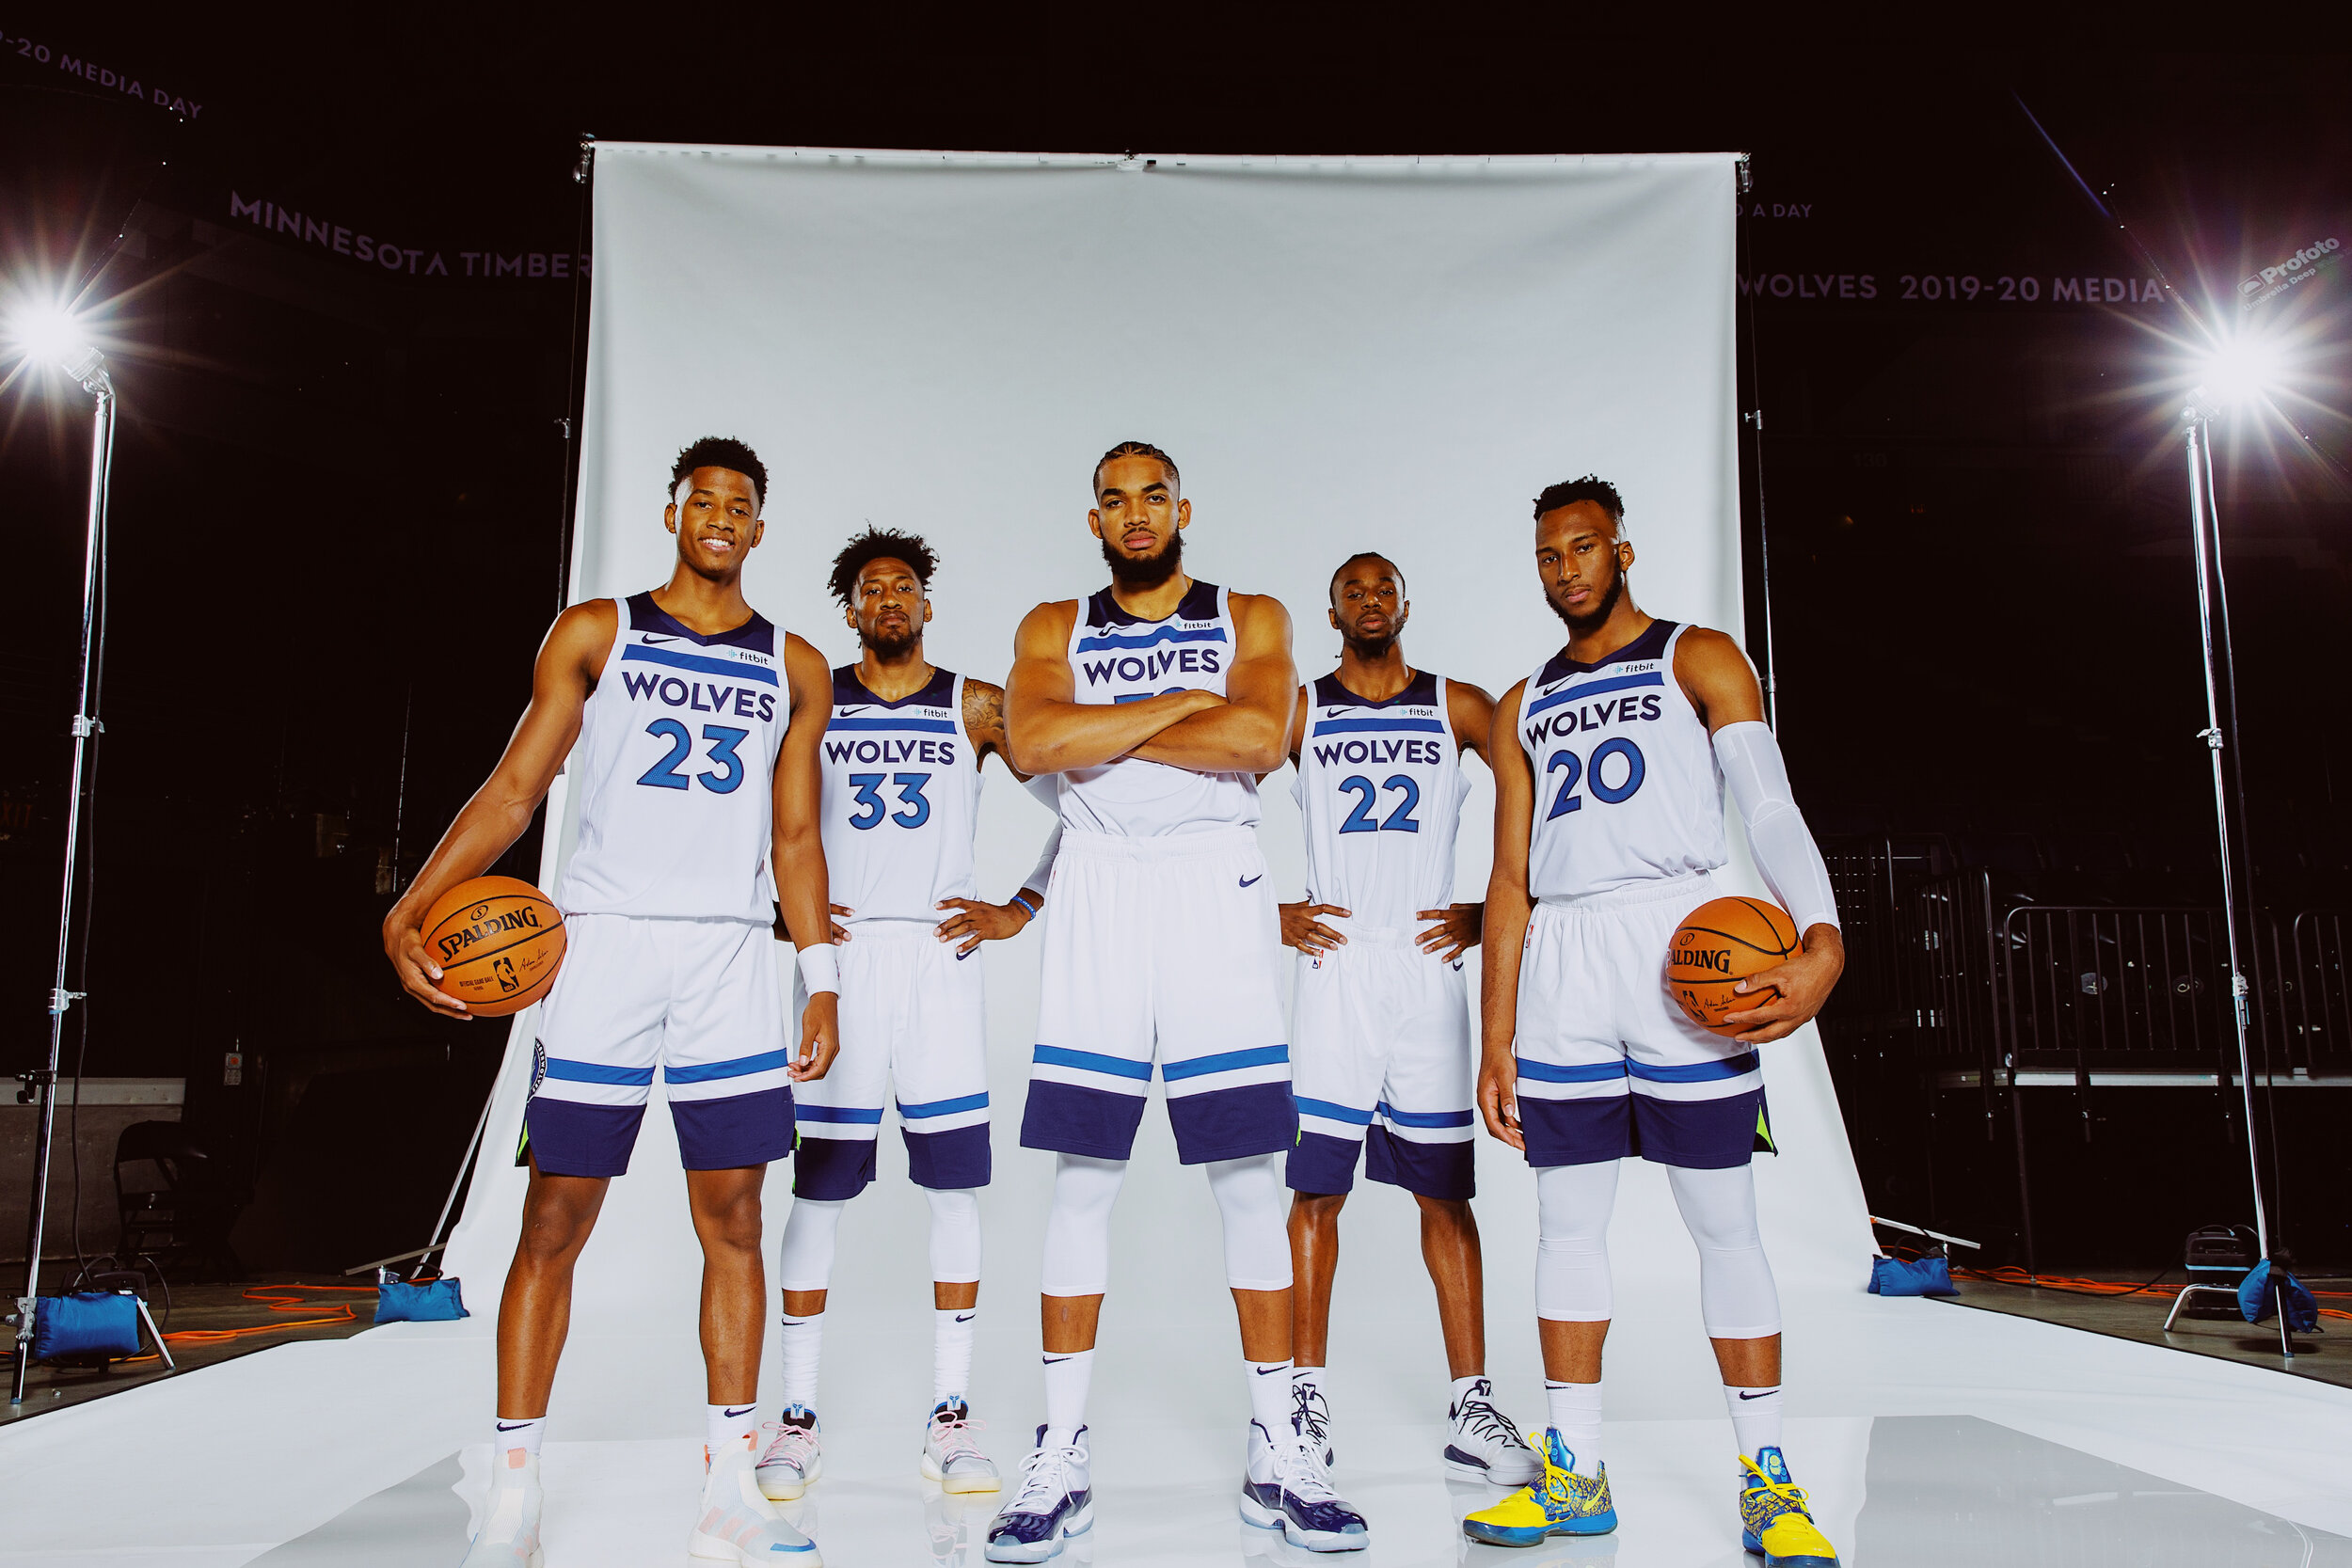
820,969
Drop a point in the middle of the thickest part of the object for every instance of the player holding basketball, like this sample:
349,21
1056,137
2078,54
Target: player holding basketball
1610,767
902,758
697,725
1380,1044
1160,700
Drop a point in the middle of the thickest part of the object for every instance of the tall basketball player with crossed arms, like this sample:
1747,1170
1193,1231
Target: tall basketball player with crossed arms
1160,700
696,724
1610,762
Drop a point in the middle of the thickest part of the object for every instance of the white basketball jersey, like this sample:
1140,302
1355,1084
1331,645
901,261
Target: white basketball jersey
902,800
1379,789
1115,658
674,768
1627,787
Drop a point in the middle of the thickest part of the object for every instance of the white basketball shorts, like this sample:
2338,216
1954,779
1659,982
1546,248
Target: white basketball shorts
913,1032
1160,949
698,1000
1608,1067
1381,1061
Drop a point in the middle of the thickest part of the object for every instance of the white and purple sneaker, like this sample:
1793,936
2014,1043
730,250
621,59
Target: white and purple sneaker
795,1455
1286,1488
1056,1501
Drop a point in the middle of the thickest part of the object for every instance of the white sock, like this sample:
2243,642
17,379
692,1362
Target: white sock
522,1434
1575,1412
804,1348
1067,1375
951,1351
1270,1396
1755,1417
728,1424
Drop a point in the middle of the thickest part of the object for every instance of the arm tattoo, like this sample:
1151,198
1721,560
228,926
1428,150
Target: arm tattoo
984,715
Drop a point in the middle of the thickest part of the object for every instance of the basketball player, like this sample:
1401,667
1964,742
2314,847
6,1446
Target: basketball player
1160,700
1380,1042
902,759
1610,767
697,725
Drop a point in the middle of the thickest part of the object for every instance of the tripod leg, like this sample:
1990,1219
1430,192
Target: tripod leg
155,1334
2176,1307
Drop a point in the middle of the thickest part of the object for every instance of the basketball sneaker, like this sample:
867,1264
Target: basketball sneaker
1774,1522
735,1524
1563,1503
1056,1501
509,1537
950,1457
794,1457
1484,1445
1285,1487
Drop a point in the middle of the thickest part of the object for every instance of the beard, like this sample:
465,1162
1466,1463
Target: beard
1369,649
1136,573
890,644
1591,620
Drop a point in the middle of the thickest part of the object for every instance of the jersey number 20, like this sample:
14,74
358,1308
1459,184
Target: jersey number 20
1609,794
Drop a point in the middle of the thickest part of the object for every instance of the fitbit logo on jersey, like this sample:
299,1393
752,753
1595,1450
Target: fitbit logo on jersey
1151,667
484,927
702,696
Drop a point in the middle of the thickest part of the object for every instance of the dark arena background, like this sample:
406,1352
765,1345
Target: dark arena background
341,266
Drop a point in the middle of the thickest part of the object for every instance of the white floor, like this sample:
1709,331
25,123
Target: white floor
1927,1434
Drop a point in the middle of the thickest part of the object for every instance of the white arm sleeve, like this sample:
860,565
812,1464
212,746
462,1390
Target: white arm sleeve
1783,845
1047,788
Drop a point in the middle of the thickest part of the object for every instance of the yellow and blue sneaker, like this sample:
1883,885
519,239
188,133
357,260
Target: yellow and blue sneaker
1563,1503
1773,1521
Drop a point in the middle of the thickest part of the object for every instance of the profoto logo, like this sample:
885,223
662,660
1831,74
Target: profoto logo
2285,274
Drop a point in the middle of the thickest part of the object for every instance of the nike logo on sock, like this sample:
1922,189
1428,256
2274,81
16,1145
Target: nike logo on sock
1765,1395
650,640
745,1411
1259,878
1269,1372
515,1427
967,1317
1056,1360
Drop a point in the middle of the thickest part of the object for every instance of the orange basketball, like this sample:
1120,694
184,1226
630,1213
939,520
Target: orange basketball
498,942
1722,941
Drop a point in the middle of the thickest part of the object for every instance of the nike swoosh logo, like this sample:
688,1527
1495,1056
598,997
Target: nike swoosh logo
1056,1360
1333,712
860,708
967,1317
961,956
1457,966
745,1411
1269,1372
515,1427
1259,878
1766,1395
650,640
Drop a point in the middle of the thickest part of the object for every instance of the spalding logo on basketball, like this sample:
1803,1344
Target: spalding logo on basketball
1721,942
498,942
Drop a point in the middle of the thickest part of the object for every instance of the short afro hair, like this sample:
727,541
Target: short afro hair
1592,487
1136,449
720,451
1340,570
880,543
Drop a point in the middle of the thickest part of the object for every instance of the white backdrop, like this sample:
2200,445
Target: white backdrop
1342,353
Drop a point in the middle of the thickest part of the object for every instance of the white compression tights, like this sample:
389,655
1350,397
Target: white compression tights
1736,1297
809,1232
1078,1231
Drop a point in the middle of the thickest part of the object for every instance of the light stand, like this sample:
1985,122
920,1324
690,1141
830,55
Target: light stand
89,367
2205,531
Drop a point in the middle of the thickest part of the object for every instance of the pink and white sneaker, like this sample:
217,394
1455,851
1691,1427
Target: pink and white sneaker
794,1456
509,1536
950,1457
734,1522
